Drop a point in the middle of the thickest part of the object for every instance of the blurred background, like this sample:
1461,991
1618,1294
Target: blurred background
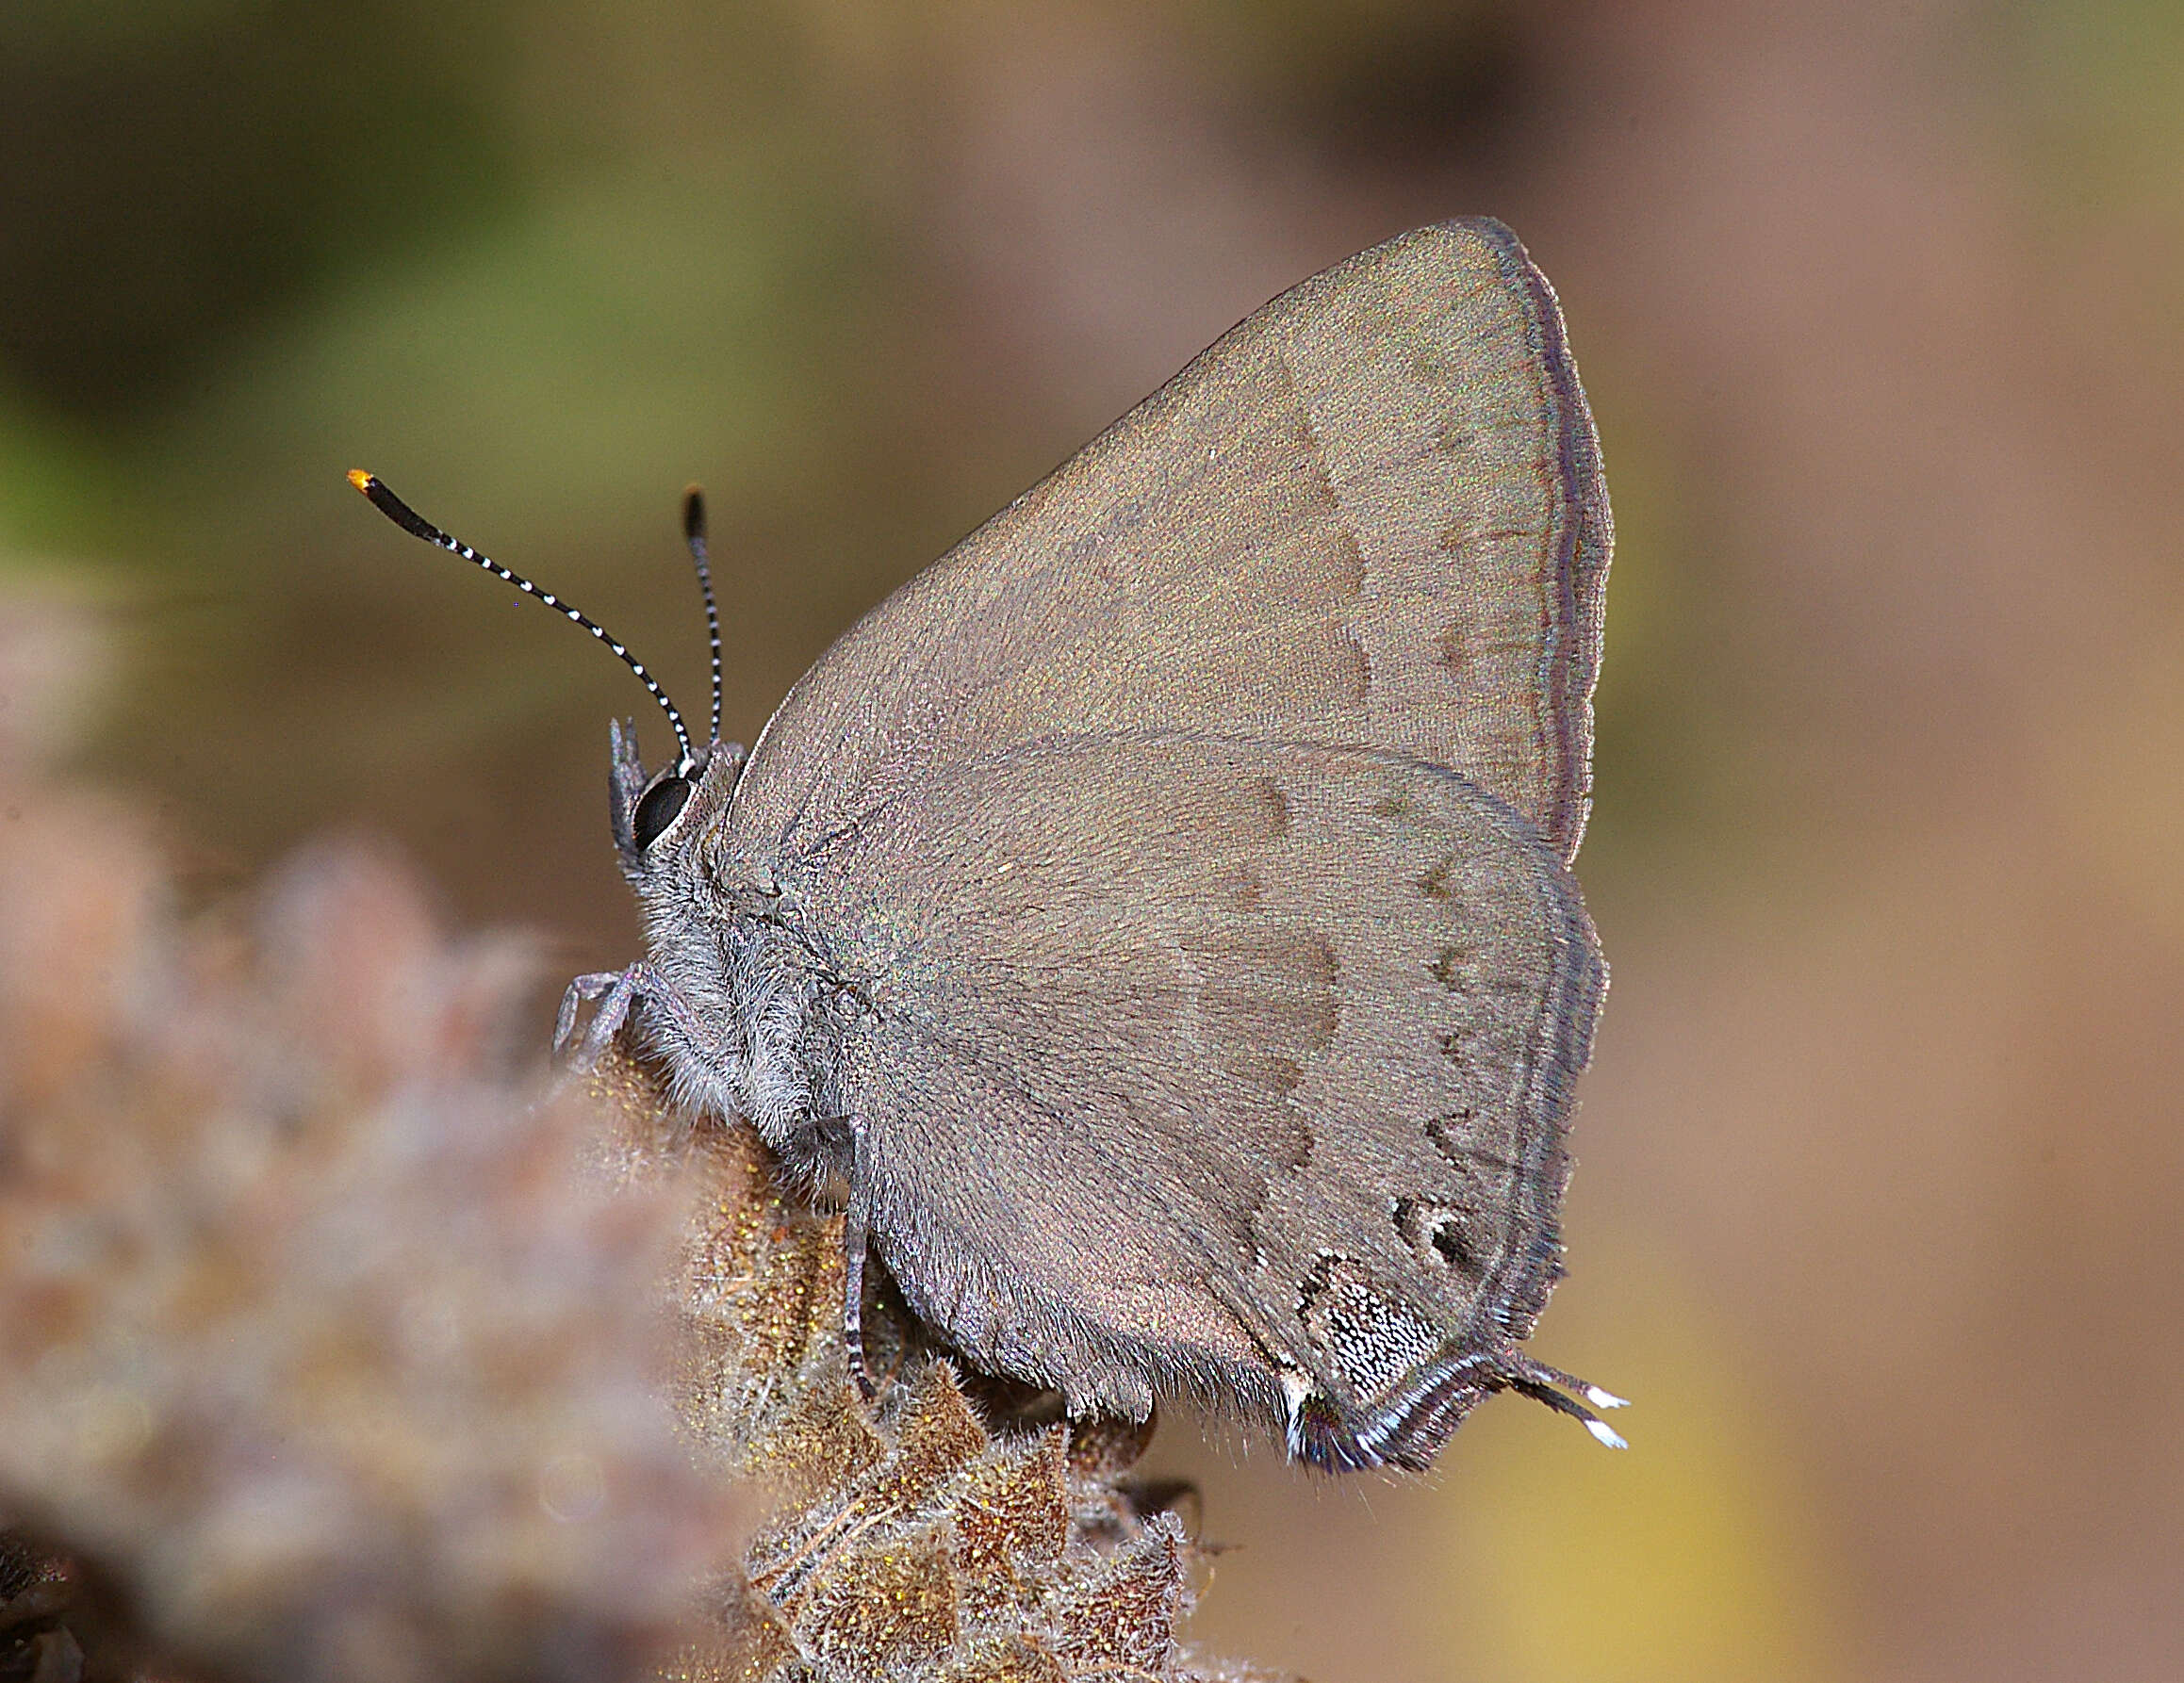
1881,311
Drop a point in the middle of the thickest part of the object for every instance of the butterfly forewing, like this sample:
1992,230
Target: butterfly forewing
1370,515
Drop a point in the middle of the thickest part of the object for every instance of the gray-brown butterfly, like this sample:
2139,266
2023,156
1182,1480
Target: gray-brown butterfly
1156,915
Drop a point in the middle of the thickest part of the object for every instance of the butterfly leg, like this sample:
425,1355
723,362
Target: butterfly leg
856,1244
617,992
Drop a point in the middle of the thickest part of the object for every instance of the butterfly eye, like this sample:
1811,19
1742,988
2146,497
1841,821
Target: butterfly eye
657,810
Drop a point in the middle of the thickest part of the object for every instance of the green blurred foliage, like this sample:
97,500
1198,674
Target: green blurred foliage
2101,86
178,174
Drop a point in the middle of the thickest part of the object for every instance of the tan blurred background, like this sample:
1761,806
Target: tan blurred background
1881,309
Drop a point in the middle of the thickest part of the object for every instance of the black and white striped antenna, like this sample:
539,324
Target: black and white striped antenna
387,503
694,534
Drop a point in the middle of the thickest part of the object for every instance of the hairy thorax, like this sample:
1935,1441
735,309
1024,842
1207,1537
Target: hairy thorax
750,1029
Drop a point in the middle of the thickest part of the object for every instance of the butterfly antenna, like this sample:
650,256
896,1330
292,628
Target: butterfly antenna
694,534
387,503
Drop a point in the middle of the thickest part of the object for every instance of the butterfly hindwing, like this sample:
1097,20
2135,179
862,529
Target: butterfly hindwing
1210,1060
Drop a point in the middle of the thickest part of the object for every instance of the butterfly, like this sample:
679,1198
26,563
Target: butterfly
1155,918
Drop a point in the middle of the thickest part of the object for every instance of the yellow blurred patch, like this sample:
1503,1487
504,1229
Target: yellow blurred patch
1687,1558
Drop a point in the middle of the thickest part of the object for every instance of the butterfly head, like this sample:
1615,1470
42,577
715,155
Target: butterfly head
659,814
